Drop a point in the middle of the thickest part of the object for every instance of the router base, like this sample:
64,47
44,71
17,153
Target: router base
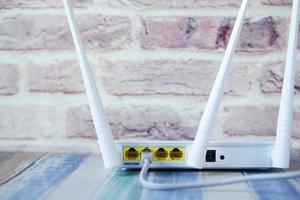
220,155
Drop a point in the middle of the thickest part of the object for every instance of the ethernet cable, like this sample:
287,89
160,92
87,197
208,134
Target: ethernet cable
147,159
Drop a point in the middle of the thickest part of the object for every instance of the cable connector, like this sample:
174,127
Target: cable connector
146,156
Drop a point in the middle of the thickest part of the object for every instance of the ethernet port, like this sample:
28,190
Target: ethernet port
176,154
146,150
132,154
161,154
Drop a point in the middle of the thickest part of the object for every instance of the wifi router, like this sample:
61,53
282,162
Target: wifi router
219,155
201,153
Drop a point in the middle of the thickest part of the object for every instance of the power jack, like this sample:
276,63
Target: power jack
210,156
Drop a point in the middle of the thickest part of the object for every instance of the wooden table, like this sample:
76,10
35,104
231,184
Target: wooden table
81,176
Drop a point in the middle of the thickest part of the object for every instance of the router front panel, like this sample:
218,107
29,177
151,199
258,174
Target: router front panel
220,155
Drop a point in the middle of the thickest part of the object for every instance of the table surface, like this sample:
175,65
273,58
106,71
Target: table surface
82,176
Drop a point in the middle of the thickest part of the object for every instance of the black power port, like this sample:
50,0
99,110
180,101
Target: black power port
210,156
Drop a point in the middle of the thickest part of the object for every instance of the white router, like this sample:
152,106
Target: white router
200,153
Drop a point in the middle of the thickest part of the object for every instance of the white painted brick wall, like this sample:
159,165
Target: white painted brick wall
155,62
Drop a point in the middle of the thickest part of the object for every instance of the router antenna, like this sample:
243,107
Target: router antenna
107,146
196,157
281,152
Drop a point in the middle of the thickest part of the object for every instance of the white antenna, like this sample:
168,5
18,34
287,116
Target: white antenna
196,157
107,146
281,152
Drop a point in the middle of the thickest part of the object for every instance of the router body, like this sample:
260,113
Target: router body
219,155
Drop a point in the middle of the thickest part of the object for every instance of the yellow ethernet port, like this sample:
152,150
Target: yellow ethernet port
161,154
176,154
132,154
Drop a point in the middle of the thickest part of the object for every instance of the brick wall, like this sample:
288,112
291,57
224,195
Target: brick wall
155,62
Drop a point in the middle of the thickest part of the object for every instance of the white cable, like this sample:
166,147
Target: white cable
167,186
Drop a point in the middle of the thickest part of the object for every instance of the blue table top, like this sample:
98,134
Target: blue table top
83,176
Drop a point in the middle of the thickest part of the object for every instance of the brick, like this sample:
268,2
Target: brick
180,32
156,122
56,76
184,77
28,122
254,120
42,31
151,122
277,2
158,4
6,4
265,34
9,78
212,32
79,123
272,77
